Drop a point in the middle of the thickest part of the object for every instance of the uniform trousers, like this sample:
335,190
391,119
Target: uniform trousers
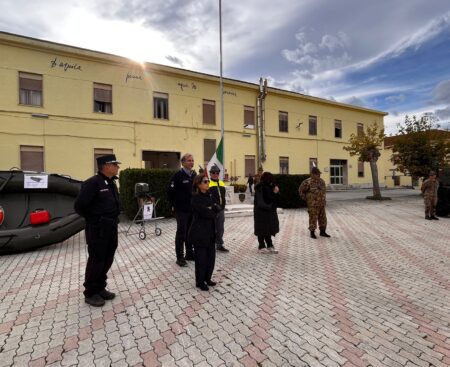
317,214
220,222
184,220
102,244
205,259
430,205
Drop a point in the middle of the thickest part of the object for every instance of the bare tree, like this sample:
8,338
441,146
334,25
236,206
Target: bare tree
367,146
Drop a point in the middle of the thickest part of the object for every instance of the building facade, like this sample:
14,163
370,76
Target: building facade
61,106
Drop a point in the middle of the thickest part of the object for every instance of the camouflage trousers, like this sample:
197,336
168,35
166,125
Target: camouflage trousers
430,205
317,214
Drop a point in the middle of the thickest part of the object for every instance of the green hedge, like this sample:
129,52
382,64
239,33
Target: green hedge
158,181
289,184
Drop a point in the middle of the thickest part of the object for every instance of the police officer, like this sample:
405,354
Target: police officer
98,203
179,193
313,191
429,190
217,190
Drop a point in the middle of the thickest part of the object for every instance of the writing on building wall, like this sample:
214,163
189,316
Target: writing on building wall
230,93
55,63
132,76
184,86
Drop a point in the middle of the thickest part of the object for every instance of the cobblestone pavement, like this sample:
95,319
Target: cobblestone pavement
375,294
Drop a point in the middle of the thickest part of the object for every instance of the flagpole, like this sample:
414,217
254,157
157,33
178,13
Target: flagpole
222,129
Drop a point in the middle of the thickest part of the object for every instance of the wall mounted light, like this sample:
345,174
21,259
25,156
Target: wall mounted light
40,115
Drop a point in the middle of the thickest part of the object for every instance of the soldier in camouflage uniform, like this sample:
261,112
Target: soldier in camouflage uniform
313,191
429,190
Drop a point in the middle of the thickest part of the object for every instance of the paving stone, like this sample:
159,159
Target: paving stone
364,296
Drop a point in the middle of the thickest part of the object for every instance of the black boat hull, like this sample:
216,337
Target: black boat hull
57,197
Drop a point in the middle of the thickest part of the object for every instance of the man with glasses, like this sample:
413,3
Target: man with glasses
179,194
217,190
98,202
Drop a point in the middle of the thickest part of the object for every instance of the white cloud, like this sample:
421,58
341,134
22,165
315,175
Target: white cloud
396,98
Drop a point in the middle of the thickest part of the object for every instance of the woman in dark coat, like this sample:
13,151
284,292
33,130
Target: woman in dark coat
265,213
202,232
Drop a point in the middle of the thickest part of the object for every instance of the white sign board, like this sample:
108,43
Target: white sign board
31,181
148,211
229,195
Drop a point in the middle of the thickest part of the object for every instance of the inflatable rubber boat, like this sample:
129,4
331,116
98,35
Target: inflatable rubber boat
36,209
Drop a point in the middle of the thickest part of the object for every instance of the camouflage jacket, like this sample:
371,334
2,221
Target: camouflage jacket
313,190
430,188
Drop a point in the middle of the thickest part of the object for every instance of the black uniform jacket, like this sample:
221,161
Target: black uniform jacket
265,211
180,190
202,232
98,198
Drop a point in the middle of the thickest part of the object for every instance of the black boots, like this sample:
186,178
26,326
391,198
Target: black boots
434,217
324,234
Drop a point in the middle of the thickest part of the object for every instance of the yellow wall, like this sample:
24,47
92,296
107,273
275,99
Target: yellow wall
72,130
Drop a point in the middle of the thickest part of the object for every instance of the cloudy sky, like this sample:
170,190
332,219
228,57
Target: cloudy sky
390,55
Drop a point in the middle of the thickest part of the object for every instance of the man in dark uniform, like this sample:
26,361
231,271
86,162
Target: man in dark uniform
217,190
98,203
179,194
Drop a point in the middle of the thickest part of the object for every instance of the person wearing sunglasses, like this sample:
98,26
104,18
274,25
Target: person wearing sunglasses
217,189
202,232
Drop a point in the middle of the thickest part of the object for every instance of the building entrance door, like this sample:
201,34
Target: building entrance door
338,172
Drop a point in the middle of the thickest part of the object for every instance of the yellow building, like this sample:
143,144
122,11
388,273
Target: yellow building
61,106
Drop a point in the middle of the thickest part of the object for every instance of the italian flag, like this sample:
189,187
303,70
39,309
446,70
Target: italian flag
217,159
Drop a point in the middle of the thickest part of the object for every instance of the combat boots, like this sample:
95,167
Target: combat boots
324,234
313,235
427,217
434,217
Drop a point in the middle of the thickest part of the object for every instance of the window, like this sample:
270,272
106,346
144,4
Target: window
359,129
249,117
102,98
209,112
160,106
32,158
284,165
249,165
209,148
283,121
30,89
98,152
312,125
337,128
360,169
312,163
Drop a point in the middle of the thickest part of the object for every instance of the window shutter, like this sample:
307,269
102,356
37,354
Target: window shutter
209,148
249,115
249,165
32,158
30,81
103,93
209,112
